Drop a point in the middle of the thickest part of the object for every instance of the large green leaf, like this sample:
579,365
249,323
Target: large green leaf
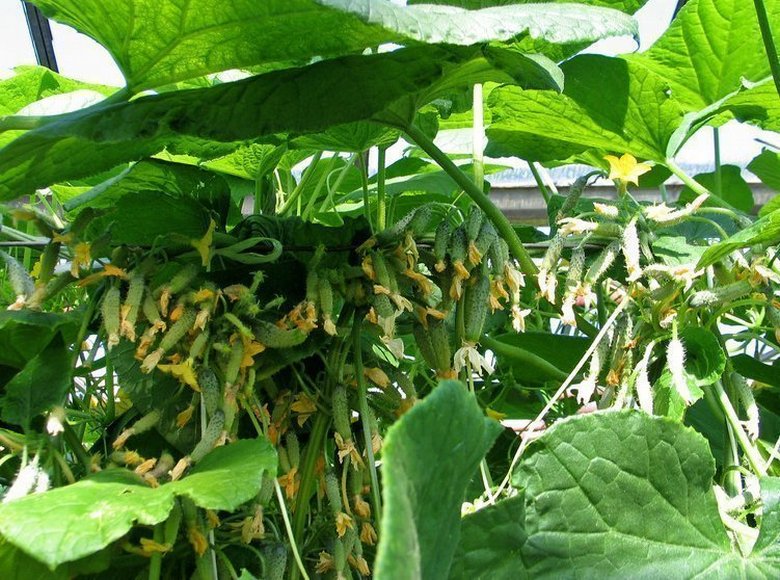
25,333
766,230
302,100
709,49
33,83
491,543
628,6
615,495
620,494
759,105
766,167
156,43
41,384
71,522
429,458
608,103
229,476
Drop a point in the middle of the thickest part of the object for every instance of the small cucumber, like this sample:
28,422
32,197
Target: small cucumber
109,309
179,330
440,342
272,336
473,223
275,557
209,437
475,308
210,390
341,412
21,282
440,243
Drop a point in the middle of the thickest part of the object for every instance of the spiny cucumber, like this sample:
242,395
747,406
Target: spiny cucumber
275,557
209,437
476,305
132,305
341,412
602,263
440,243
333,492
293,449
21,282
440,344
423,340
499,257
720,295
109,309
272,336
210,390
178,331
473,223
487,236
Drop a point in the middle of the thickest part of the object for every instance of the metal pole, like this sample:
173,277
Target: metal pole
40,34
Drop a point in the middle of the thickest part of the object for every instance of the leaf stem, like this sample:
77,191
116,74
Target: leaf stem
363,404
499,220
751,453
381,209
539,182
698,188
305,178
769,42
288,527
155,561
478,136
525,357
313,451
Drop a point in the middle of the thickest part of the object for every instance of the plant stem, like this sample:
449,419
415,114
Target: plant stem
499,220
313,451
364,184
539,182
751,453
718,172
478,137
699,189
363,404
155,561
381,209
288,527
525,357
769,42
305,178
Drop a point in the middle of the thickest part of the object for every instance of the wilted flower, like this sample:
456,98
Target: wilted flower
518,318
55,421
468,352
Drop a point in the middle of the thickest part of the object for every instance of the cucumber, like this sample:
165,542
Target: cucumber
210,390
341,412
272,336
49,258
499,257
473,223
440,344
475,308
275,557
210,436
486,238
423,340
178,331
109,309
440,243
132,305
293,448
333,492
720,295
21,282
602,263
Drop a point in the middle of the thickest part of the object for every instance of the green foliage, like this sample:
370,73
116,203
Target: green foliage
66,524
180,381
430,465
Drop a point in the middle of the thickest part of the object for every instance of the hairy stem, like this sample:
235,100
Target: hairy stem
499,220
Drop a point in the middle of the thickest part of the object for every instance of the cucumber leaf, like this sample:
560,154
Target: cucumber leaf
427,465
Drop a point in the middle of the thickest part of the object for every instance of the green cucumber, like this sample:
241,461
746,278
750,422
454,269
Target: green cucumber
210,436
475,308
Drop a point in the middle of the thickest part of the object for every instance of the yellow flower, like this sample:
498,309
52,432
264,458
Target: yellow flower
361,506
203,245
343,523
184,372
304,406
325,563
81,258
199,542
368,534
149,546
626,168
251,348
